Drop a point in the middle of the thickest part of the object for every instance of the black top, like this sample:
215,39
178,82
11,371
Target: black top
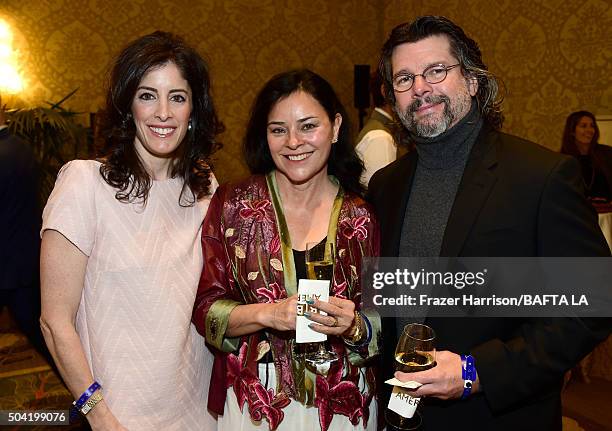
299,259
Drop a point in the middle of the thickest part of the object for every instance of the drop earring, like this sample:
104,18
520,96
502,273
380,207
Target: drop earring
189,126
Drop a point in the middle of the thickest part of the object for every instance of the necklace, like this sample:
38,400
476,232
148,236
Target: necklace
587,165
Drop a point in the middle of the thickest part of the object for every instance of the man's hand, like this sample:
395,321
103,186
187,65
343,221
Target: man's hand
443,381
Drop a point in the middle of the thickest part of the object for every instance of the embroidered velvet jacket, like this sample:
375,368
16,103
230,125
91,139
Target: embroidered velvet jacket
248,259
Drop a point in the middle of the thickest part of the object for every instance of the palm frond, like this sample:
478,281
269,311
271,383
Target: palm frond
54,135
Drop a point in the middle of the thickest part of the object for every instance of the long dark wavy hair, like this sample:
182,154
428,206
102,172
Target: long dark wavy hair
568,144
121,166
343,162
490,94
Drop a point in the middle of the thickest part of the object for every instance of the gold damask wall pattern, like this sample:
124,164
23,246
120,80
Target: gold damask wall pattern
66,44
553,55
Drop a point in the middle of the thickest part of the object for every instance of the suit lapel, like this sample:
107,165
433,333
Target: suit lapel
396,199
476,184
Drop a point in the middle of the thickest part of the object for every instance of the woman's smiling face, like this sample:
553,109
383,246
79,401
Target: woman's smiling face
161,109
300,135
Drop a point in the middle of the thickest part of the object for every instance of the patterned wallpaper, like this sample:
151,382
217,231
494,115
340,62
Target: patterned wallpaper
66,44
554,55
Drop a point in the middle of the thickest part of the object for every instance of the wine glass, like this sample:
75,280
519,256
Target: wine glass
415,351
320,266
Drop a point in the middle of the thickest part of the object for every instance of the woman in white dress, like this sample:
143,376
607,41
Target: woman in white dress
121,254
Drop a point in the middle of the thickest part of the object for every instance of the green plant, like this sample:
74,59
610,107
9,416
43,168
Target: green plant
54,135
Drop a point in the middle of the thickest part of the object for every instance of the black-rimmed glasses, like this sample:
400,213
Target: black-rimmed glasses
432,75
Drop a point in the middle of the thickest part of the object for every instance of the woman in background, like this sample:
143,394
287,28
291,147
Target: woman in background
304,188
581,140
121,254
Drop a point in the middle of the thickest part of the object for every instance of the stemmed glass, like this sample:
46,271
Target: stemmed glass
320,259
415,351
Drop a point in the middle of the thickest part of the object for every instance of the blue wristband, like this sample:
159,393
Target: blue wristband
468,374
78,404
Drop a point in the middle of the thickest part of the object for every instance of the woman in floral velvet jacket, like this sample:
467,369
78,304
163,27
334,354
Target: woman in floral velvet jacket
305,188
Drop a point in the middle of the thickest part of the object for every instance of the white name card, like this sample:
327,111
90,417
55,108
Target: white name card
409,384
402,403
309,289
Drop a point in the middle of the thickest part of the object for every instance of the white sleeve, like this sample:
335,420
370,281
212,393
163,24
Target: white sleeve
377,149
71,208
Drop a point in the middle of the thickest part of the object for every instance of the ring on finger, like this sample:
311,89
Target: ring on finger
335,323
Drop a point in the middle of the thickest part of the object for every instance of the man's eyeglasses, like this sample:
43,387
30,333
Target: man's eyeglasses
433,75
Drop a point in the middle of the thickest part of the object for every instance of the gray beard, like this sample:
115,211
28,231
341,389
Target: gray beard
428,129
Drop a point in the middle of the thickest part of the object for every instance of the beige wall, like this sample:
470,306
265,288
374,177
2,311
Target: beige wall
554,55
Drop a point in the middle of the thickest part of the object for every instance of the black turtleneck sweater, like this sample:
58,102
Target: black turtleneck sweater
440,165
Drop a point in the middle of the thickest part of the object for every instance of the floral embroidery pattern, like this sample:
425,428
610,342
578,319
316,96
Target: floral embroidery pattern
239,252
355,227
239,376
339,289
276,264
366,400
261,403
334,396
275,244
273,293
255,209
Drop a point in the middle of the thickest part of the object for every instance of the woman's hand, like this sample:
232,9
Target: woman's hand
340,316
102,419
284,314
249,318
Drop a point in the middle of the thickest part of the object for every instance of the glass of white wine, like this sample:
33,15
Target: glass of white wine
320,259
415,351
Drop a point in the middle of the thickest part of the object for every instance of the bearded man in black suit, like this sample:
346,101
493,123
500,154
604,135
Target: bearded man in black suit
470,190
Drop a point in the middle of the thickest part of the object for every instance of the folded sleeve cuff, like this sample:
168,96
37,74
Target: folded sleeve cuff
217,319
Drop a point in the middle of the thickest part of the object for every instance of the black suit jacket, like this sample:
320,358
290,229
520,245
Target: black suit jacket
603,163
515,199
19,214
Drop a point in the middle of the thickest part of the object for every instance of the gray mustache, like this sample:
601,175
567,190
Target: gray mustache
414,106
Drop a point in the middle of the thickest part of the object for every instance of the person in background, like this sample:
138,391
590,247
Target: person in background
459,195
304,188
581,140
375,143
19,240
121,254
